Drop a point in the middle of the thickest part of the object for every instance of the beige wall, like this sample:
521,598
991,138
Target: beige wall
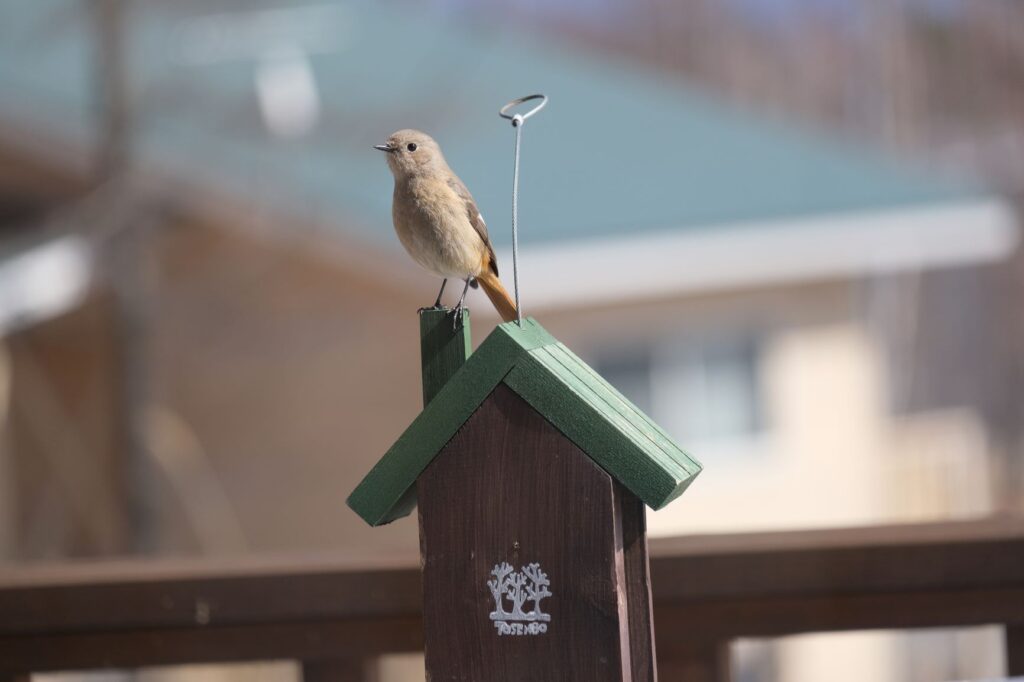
284,379
818,462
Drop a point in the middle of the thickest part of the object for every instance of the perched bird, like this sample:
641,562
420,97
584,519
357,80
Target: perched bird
438,222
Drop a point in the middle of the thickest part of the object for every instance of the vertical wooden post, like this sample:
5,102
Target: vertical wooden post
1014,649
637,587
443,348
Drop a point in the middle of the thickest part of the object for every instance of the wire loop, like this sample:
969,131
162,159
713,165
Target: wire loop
517,122
522,100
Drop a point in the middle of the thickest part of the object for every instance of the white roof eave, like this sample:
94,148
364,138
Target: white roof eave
642,266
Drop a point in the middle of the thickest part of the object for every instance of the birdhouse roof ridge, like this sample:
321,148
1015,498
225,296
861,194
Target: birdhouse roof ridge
585,408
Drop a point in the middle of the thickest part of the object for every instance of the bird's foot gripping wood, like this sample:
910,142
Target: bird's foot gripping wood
456,315
457,311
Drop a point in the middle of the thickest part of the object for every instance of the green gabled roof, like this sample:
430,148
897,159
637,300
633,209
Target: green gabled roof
548,376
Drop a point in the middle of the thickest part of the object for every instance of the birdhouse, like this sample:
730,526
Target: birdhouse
530,473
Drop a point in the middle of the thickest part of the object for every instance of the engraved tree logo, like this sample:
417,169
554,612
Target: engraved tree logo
517,593
499,586
536,590
508,585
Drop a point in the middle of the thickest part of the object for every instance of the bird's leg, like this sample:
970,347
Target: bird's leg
457,310
437,303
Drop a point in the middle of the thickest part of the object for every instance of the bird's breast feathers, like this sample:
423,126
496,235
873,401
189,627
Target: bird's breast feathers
433,225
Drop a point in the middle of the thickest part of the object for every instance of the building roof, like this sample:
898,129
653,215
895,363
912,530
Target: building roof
620,151
561,387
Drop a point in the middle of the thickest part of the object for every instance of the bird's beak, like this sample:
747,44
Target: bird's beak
384,147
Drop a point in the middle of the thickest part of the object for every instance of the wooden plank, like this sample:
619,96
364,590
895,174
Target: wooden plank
706,664
142,595
388,490
343,670
525,495
556,383
636,430
638,586
705,589
1014,637
679,624
621,587
127,594
834,562
1007,529
608,395
443,348
622,403
607,438
310,640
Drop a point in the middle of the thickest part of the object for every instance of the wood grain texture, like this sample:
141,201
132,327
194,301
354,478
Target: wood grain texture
637,585
443,348
1015,649
147,594
344,670
312,639
853,561
588,410
510,488
388,490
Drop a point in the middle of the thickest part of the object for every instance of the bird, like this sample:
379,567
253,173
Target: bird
438,222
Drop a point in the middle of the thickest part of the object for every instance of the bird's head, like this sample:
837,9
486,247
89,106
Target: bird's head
411,152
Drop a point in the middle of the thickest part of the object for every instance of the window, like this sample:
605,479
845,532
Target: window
697,391
629,370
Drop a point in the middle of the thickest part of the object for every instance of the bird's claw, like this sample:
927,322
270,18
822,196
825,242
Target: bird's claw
456,314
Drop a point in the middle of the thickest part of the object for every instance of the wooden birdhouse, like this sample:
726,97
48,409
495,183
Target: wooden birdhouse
530,472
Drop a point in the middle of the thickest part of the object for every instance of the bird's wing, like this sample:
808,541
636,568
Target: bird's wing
475,219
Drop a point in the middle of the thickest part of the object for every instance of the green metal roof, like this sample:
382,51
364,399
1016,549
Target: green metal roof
620,149
547,375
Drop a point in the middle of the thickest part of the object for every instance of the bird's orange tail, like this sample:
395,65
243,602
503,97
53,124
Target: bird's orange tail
503,303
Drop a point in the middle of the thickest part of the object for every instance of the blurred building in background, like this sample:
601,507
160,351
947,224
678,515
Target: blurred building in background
786,233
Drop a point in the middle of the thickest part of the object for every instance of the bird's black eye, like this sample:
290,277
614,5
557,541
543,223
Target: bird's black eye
411,146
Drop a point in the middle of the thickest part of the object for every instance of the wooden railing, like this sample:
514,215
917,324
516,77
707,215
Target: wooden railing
336,615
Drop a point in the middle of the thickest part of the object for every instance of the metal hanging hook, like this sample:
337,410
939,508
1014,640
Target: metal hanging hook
518,119
517,122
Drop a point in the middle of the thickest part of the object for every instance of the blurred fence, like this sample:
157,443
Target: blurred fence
337,616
